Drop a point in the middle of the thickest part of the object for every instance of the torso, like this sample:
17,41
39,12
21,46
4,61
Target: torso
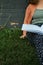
37,14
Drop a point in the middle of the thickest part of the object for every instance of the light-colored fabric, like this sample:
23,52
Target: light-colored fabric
38,16
33,12
33,28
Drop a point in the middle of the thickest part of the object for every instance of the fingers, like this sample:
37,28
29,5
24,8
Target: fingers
22,37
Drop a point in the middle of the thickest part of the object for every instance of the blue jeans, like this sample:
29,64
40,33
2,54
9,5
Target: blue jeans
37,40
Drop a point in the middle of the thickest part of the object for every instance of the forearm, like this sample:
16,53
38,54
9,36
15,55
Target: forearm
24,33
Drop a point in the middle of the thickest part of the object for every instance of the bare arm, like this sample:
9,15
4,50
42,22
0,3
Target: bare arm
28,17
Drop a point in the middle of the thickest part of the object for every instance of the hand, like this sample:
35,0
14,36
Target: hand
23,36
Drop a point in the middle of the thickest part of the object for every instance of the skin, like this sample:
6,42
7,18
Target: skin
27,20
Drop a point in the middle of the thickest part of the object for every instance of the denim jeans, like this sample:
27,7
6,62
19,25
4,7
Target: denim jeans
37,40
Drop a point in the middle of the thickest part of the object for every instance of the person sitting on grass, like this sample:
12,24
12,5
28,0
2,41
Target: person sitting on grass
35,10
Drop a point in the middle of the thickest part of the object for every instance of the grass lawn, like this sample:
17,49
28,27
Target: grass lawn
16,51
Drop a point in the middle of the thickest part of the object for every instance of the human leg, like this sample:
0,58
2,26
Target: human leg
38,42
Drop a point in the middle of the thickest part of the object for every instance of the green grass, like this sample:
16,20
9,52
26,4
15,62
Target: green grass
16,51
